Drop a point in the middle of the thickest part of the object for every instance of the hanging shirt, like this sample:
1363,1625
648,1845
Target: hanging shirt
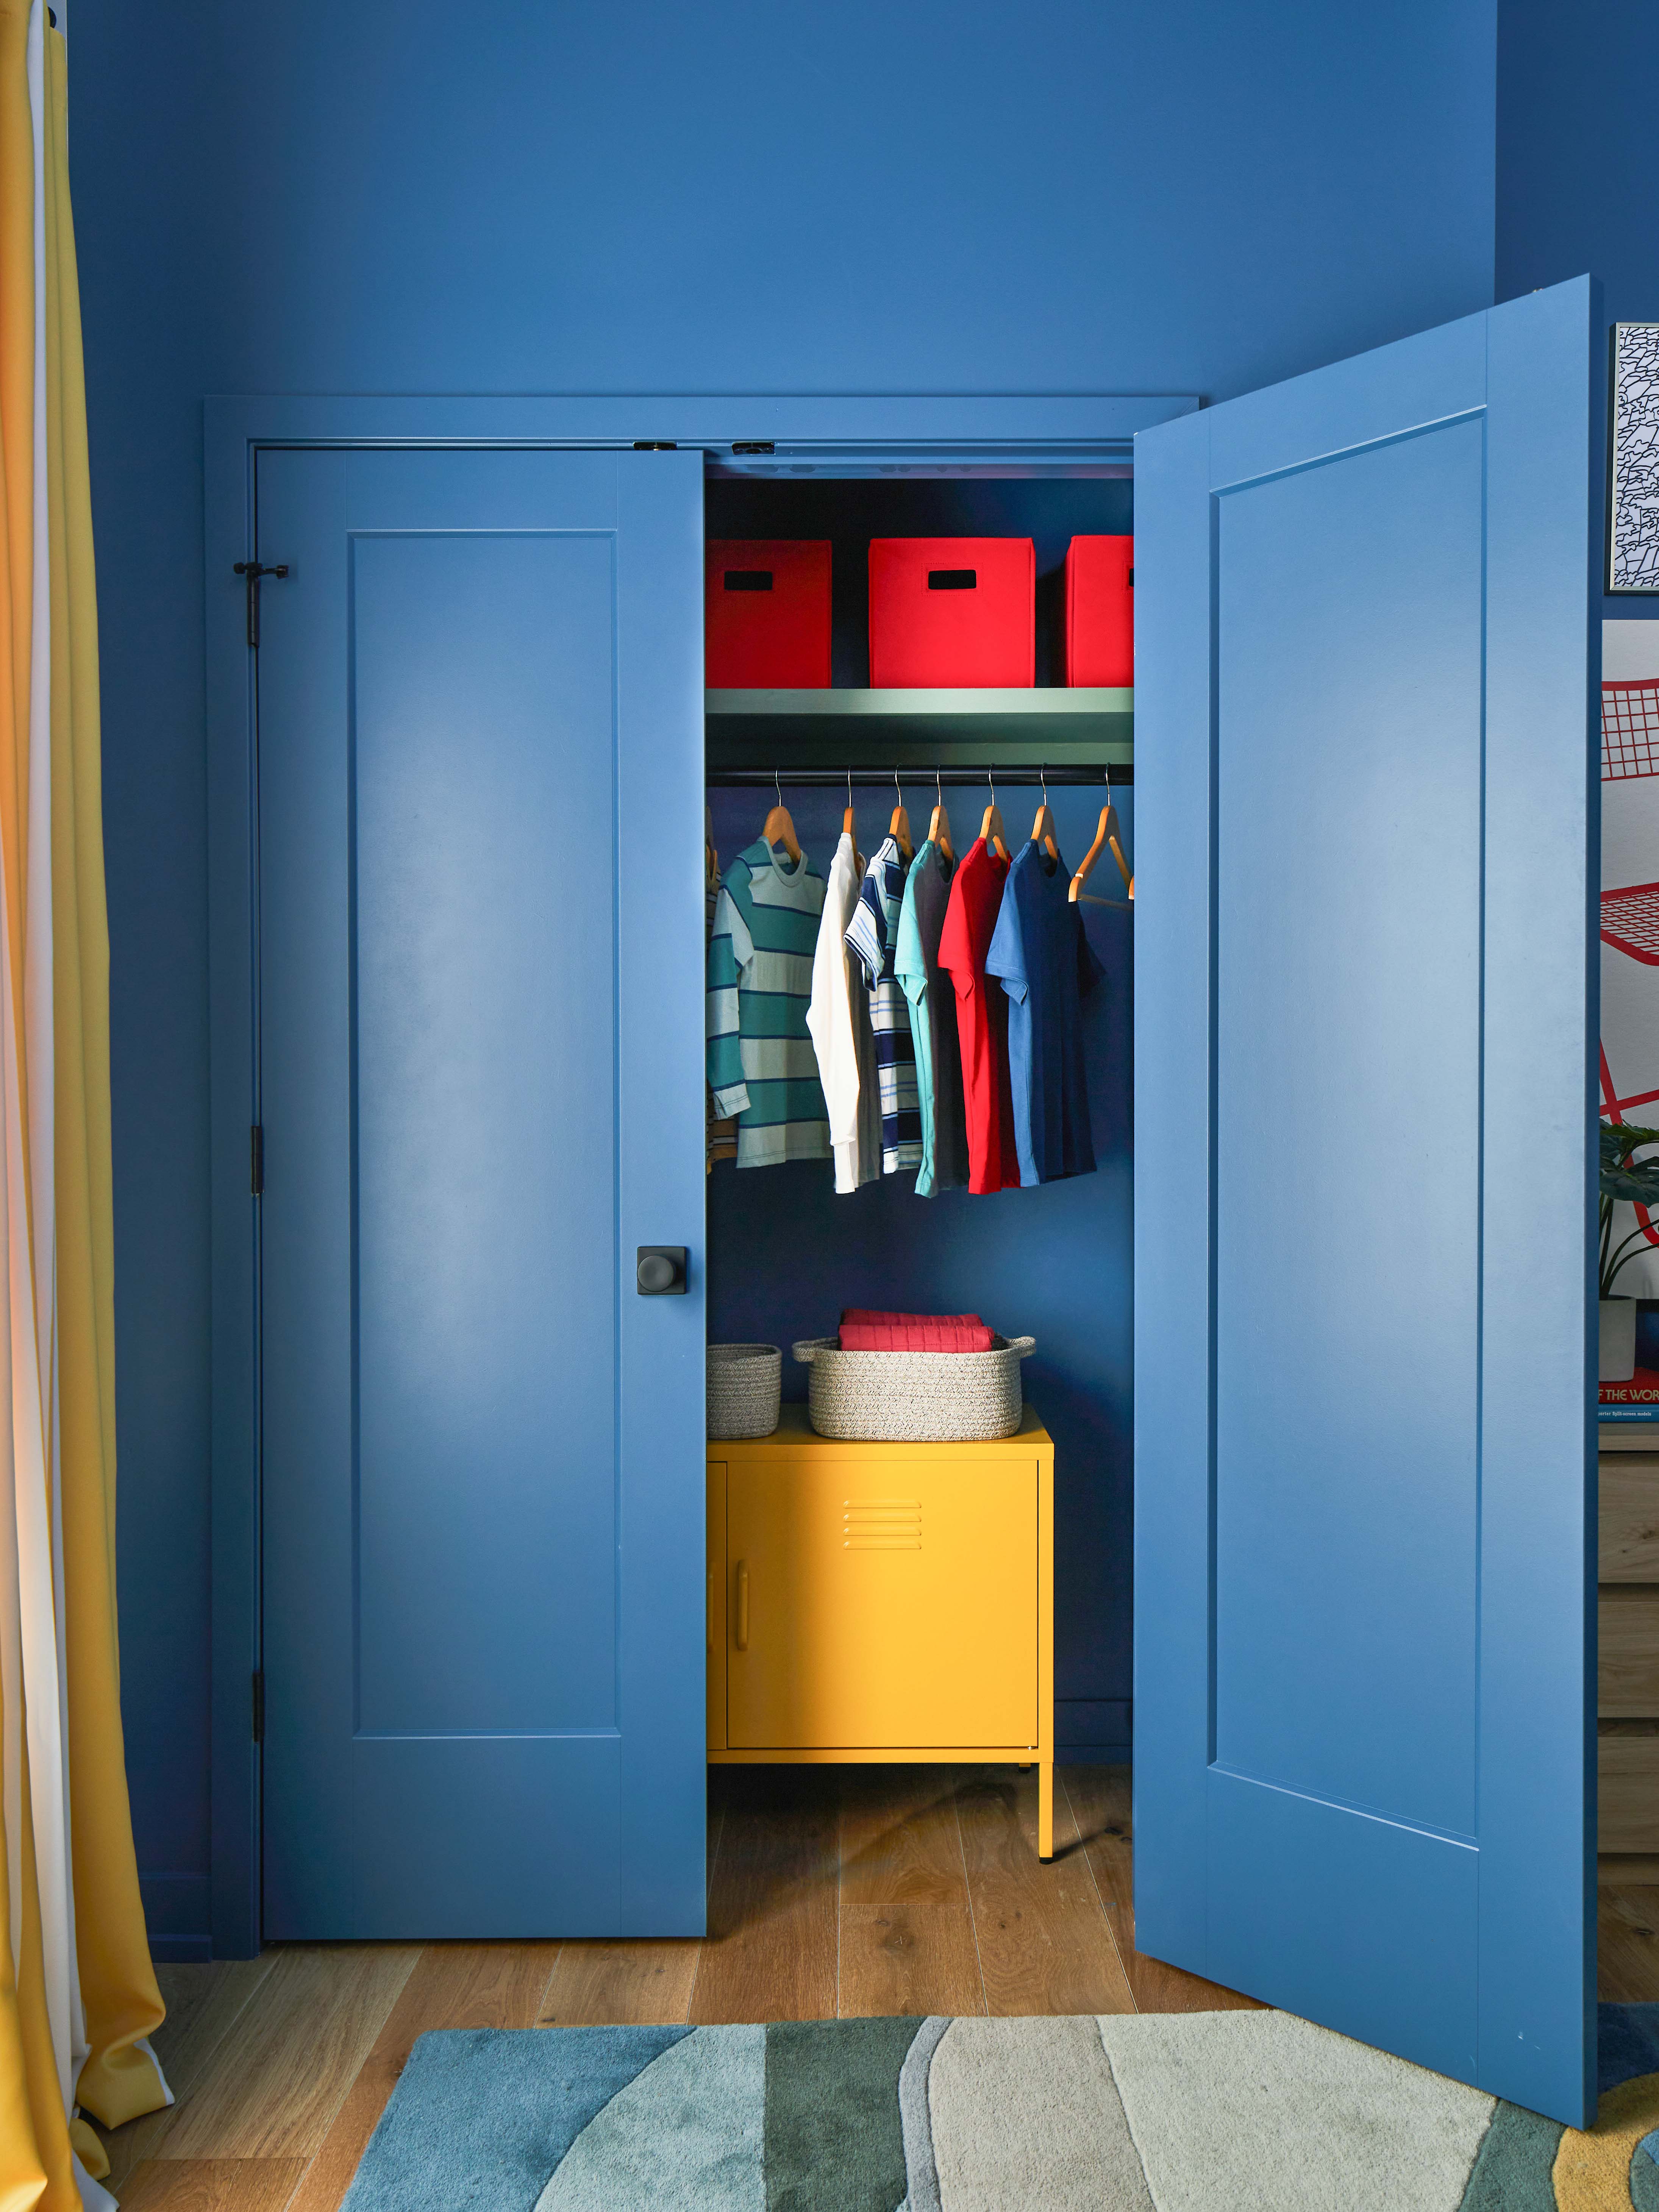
721,1131
870,937
761,1066
971,919
1046,968
838,1018
932,1022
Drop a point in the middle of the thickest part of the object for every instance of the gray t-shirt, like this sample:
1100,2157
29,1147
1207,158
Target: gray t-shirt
933,1022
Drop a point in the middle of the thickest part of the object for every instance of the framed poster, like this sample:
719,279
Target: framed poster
1633,459
1629,953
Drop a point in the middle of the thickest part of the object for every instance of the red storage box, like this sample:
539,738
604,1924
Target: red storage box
1100,610
766,614
952,610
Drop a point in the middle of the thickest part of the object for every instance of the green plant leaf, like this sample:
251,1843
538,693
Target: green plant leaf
1620,1139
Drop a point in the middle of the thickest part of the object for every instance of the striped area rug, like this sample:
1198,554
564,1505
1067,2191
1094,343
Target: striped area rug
1233,2112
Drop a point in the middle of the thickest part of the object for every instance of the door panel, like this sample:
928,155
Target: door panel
480,1037
1364,986
1320,987
871,1607
480,703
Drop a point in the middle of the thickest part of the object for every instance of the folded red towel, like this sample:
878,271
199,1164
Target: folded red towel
859,1337
864,1331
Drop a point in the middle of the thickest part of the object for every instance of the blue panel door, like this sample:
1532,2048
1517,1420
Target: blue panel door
1365,1015
480,940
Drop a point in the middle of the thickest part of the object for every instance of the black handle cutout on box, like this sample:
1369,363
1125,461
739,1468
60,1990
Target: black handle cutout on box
952,579
749,580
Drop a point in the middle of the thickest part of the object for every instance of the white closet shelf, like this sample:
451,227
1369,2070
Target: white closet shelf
1062,727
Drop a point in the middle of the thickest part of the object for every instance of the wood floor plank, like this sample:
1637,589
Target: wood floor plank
276,2082
621,1984
212,2184
900,1842
1627,1945
452,1985
770,1953
203,2003
905,1958
1045,1945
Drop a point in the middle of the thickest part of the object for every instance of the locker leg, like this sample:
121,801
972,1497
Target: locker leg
1046,1809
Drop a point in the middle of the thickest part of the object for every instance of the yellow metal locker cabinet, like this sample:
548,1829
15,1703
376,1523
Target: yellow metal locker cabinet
883,1601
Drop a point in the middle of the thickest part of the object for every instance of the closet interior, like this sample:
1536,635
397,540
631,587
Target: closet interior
788,1254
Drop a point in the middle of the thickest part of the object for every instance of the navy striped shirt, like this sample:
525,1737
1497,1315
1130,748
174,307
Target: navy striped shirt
872,936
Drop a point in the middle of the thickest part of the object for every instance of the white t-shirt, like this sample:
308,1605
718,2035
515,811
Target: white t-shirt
838,1022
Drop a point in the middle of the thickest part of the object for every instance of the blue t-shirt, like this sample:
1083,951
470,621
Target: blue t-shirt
1040,953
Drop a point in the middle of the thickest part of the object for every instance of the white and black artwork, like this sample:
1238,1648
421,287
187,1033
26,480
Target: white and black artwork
1633,490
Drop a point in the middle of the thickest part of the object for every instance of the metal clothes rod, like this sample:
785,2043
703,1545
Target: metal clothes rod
835,778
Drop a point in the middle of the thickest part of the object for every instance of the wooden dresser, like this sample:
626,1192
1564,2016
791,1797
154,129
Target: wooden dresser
1627,1694
879,1601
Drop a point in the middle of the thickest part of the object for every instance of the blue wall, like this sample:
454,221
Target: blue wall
540,198
1575,180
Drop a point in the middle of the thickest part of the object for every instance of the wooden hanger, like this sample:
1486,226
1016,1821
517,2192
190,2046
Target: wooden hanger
899,827
939,828
780,828
847,820
1042,829
990,828
1107,834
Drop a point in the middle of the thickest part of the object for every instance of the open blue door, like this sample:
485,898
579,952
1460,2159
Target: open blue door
480,857
1364,1024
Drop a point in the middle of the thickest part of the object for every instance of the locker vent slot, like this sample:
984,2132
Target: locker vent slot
881,1524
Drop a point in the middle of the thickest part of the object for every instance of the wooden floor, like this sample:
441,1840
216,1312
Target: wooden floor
832,1891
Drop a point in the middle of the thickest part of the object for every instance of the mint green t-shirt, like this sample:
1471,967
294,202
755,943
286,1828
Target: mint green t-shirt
932,1022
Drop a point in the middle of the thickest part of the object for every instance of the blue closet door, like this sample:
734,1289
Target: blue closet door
1365,812
480,957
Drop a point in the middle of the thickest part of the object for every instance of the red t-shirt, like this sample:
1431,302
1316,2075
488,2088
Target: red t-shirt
981,1019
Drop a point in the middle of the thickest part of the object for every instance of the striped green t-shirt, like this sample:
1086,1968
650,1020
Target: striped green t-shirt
762,1066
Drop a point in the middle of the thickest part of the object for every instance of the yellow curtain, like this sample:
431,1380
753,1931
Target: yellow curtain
77,1993
117,1983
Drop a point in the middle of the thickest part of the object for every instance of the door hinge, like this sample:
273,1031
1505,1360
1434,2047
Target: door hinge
258,1705
250,572
655,445
257,1160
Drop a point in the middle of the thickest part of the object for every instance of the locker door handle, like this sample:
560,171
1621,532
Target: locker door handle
711,1608
742,1637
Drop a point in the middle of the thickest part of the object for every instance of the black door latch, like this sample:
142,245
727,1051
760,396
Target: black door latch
659,1271
252,571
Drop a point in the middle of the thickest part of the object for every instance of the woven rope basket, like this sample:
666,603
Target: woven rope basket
915,1397
745,1383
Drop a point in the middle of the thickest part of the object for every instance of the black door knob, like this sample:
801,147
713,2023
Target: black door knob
660,1270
